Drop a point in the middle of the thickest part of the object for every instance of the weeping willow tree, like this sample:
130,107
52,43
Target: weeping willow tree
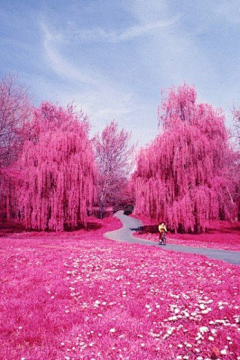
57,174
181,177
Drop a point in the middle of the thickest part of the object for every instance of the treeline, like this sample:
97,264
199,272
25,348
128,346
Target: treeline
52,174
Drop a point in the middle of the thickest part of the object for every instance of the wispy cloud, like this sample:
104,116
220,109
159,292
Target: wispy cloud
102,35
178,53
141,30
59,63
96,94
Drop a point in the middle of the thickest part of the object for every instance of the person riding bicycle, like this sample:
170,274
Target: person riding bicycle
162,230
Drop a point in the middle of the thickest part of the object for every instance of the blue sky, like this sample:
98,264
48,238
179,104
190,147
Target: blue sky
113,58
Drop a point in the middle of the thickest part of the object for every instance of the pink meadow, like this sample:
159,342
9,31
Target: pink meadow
80,296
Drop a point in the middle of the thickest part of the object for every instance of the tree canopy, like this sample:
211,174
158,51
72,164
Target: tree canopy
15,113
181,177
55,184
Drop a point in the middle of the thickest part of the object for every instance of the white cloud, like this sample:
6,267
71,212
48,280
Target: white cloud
141,30
59,63
101,35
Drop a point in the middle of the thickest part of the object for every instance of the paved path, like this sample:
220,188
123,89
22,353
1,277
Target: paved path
125,235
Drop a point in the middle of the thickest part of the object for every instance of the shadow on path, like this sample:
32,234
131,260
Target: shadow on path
125,235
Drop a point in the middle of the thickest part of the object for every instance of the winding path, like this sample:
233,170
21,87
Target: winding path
125,235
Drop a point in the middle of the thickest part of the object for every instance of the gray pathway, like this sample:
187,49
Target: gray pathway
125,235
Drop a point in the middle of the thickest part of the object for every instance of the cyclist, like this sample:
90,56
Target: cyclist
162,230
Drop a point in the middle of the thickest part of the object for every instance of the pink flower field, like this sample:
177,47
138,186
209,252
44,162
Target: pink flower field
77,295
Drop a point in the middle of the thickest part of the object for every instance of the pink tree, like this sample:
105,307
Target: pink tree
181,176
234,169
15,114
114,158
57,171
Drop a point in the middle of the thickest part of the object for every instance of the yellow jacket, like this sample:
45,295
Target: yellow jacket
162,228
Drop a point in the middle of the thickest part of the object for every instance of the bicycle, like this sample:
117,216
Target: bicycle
163,239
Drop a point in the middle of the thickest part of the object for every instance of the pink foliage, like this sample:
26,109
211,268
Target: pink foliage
15,115
235,163
181,177
66,296
49,117
114,156
57,174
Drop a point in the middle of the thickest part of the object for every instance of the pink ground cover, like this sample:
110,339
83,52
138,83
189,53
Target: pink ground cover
223,235
80,296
